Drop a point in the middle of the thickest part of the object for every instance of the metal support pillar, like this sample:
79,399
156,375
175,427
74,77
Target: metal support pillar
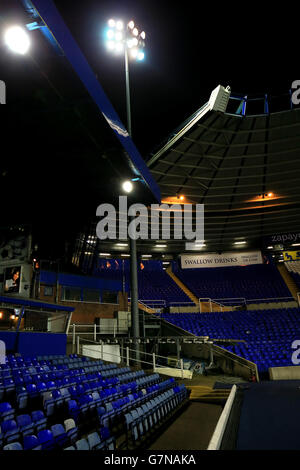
134,297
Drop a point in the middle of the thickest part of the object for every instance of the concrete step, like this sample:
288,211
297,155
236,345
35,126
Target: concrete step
207,394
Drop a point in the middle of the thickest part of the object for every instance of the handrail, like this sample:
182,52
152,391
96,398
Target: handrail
121,356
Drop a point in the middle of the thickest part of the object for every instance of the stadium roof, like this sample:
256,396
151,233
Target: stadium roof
245,169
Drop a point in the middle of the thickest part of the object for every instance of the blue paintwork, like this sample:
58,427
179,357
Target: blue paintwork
34,303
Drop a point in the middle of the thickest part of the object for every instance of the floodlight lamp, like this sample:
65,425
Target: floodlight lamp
119,36
111,23
131,24
143,35
17,39
110,34
135,31
127,186
118,47
119,25
140,55
134,53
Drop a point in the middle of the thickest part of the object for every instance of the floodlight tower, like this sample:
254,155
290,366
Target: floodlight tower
127,40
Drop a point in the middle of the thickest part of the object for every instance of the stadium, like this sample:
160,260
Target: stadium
142,296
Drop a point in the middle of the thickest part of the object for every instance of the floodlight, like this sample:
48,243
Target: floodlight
110,34
17,40
119,25
127,186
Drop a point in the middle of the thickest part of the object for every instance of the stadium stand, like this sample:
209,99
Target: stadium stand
294,269
251,282
268,334
153,281
75,403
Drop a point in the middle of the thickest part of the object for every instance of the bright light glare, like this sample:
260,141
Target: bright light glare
111,23
17,40
127,186
143,35
110,45
110,34
135,41
119,25
134,53
119,36
141,55
131,24
119,47
135,32
130,43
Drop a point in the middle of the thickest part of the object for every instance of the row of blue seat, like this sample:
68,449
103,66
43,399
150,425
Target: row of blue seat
143,419
58,437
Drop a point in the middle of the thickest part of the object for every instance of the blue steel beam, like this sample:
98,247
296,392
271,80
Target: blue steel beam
56,25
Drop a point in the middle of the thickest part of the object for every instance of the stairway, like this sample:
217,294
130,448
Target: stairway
181,285
208,395
289,281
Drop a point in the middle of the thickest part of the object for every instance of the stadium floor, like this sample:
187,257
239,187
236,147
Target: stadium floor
192,430
270,416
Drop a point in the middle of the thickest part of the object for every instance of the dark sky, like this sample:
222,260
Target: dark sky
191,47
48,167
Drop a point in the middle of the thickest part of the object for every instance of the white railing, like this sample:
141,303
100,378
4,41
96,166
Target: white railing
227,302
127,357
95,329
151,303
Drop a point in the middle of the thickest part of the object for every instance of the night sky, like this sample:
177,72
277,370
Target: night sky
52,176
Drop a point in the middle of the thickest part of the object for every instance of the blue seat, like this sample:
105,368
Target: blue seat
48,403
107,438
60,435
41,387
31,442
46,439
74,410
9,385
57,397
10,430
39,420
32,390
25,424
6,411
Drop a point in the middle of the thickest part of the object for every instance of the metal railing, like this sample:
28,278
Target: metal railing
95,330
125,356
238,301
151,303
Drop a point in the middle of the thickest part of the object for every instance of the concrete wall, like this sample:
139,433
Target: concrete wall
285,373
